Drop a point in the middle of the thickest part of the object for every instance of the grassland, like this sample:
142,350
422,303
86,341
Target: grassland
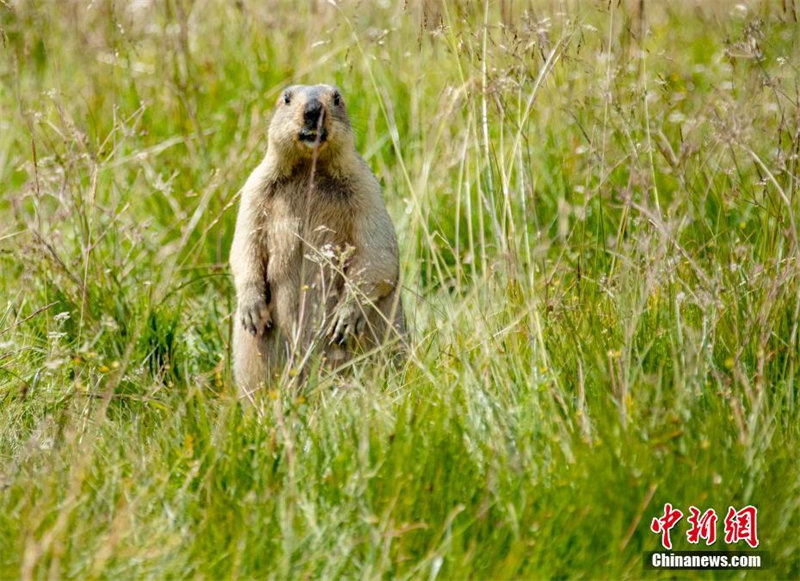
597,209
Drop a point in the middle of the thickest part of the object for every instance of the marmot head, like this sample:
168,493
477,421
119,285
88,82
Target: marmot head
311,120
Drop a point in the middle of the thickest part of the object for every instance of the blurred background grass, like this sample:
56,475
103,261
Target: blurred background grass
597,210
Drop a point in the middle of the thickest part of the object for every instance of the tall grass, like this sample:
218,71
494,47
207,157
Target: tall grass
597,206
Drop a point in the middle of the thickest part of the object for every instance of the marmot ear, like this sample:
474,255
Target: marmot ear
336,95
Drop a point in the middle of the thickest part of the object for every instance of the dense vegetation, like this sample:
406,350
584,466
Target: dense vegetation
597,207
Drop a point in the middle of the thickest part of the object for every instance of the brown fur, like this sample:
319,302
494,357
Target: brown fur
314,256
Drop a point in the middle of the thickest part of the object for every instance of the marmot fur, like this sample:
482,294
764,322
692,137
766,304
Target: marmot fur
314,255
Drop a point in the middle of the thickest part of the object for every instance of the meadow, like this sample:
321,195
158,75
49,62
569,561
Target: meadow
597,207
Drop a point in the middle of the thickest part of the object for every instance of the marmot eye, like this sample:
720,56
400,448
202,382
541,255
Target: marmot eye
337,99
287,98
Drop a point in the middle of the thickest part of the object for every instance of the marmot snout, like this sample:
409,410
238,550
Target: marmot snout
314,256
310,119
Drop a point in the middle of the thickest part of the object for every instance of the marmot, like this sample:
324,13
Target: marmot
314,255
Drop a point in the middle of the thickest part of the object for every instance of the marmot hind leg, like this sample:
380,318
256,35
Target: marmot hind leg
255,359
385,323
389,322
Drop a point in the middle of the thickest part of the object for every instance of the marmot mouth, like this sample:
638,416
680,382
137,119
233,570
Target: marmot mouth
309,136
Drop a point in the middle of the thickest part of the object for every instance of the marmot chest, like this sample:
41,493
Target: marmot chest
316,231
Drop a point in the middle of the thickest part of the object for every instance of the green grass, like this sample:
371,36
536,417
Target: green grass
597,212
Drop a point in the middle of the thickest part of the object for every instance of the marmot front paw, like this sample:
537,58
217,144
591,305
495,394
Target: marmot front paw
348,320
254,315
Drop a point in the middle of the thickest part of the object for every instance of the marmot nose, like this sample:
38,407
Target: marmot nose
312,112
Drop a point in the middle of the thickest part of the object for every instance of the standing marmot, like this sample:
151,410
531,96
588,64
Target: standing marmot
314,256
